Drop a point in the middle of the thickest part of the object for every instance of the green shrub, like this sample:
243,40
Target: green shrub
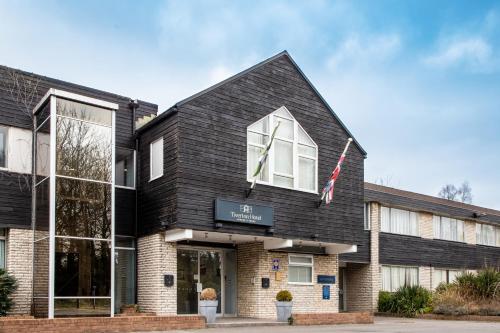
284,296
412,300
385,301
486,282
8,285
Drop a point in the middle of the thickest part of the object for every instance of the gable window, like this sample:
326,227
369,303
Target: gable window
367,216
300,269
3,147
448,229
487,235
395,277
293,157
125,168
156,159
399,221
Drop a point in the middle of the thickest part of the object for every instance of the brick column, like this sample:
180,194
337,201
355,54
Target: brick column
426,225
155,258
376,280
470,232
19,255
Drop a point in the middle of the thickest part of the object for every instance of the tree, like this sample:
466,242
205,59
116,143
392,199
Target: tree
461,194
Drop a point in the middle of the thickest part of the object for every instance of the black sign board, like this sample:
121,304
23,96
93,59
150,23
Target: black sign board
240,212
326,279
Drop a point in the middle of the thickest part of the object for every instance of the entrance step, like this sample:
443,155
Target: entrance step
244,322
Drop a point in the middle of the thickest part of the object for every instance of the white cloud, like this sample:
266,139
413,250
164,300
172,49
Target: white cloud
358,51
473,52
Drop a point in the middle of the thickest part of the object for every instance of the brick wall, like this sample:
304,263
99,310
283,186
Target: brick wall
425,277
359,287
426,225
155,258
333,318
255,263
19,252
470,232
102,324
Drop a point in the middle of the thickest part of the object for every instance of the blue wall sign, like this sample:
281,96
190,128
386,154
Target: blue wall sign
326,291
240,212
276,264
326,279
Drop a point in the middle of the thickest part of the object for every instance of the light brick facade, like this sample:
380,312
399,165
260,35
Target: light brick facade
426,225
155,258
425,277
255,263
19,255
470,232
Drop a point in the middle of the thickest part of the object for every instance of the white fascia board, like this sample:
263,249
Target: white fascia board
272,244
340,248
178,235
75,97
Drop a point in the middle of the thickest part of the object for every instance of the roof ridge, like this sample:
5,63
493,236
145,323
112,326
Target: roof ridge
446,202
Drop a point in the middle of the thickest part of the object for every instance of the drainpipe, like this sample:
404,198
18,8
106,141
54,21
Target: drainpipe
134,105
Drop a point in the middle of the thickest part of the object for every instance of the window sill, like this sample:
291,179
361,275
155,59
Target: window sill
283,187
301,283
155,178
394,233
449,240
125,187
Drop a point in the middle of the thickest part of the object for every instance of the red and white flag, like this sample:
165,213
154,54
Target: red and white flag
330,184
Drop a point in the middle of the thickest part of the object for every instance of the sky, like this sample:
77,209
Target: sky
416,82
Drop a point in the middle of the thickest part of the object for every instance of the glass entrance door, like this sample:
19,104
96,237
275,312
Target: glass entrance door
210,273
187,278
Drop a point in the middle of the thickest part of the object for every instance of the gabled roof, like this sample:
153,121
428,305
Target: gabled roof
423,202
246,71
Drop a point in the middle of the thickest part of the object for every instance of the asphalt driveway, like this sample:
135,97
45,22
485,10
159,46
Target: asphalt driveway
381,324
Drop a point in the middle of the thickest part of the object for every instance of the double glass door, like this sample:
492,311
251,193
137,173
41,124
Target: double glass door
197,270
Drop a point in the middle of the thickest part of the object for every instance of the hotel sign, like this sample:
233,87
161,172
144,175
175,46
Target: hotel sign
231,211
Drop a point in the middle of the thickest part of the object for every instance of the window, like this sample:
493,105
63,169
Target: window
444,276
300,269
367,216
399,221
395,277
448,229
3,147
125,167
487,235
2,248
293,158
156,159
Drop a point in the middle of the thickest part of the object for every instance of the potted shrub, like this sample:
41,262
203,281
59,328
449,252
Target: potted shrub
208,304
284,305
8,285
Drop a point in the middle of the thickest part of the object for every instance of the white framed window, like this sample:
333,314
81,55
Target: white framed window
395,277
300,269
444,276
3,147
399,221
447,228
2,248
293,157
367,218
125,168
156,159
487,234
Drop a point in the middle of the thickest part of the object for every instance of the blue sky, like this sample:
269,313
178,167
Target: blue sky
417,82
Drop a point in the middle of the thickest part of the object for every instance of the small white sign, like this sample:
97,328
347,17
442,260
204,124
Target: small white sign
199,287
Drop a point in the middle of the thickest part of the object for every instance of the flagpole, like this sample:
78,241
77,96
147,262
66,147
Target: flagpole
323,194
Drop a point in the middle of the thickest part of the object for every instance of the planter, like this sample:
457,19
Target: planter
208,309
283,310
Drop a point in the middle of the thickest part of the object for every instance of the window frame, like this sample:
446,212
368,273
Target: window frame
410,212
6,148
151,178
292,264
480,237
367,222
390,274
441,237
296,156
3,243
135,171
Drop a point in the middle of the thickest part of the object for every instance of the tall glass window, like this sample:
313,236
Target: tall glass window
3,147
74,198
2,248
125,168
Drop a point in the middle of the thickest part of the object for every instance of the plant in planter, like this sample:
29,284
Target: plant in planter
208,304
8,285
284,305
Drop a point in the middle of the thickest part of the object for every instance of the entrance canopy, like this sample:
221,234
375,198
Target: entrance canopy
270,243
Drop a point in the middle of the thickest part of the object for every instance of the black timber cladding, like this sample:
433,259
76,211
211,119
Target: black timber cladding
12,114
211,160
411,250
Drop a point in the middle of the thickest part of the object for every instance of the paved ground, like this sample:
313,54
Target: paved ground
389,325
